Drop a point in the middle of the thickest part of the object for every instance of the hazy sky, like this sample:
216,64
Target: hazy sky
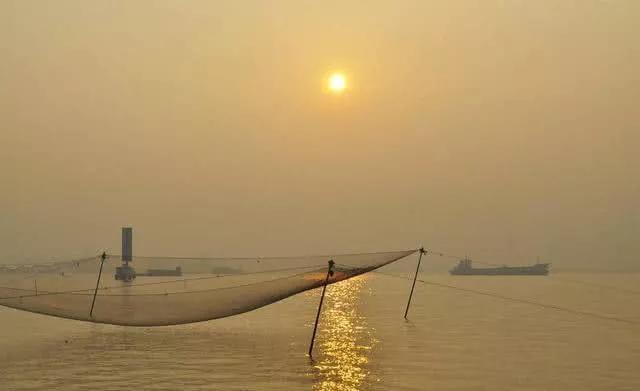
501,129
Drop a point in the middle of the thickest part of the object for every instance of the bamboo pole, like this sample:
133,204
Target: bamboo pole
102,258
415,277
324,288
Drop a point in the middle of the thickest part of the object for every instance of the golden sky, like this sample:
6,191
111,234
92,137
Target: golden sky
500,129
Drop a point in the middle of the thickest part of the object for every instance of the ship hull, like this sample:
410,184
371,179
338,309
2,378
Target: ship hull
479,272
536,270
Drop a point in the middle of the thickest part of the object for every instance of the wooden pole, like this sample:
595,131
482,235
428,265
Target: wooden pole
324,288
102,258
415,277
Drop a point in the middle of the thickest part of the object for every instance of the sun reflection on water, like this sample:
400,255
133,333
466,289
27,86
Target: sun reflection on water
344,340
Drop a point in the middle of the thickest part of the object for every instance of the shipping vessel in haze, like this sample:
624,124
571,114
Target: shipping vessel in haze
465,268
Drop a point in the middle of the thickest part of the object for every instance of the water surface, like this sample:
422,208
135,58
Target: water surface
453,341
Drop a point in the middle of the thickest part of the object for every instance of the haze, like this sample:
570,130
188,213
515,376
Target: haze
503,130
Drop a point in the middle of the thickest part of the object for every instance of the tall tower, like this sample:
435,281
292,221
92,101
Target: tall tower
127,245
125,272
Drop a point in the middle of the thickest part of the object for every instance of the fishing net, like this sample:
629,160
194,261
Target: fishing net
172,290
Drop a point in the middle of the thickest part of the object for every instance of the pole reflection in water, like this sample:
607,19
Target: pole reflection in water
344,340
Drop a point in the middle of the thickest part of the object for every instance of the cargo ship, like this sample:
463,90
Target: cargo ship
465,268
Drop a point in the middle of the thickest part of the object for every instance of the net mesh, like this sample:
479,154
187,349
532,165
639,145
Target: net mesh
172,290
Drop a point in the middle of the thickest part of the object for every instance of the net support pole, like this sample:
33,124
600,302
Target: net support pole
324,289
413,286
95,293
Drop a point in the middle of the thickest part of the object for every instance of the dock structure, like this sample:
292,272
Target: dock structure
177,272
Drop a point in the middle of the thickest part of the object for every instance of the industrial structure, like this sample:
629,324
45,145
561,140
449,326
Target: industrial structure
125,272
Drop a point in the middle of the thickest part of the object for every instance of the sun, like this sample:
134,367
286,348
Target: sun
337,83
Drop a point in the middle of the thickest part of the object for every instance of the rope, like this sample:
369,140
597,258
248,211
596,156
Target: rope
594,284
80,291
216,276
50,267
328,256
522,301
542,305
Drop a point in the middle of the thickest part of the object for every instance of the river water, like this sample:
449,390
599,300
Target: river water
454,340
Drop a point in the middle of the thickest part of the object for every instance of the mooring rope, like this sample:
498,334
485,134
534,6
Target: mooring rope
519,300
